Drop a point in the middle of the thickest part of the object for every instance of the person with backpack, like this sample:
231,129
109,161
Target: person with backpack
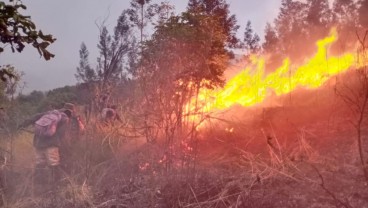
50,131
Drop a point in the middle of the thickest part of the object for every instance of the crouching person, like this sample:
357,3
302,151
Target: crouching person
50,129
109,115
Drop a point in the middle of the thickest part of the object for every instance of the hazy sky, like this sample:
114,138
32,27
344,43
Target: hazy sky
72,22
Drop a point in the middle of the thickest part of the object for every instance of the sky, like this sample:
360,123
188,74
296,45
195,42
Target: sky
72,22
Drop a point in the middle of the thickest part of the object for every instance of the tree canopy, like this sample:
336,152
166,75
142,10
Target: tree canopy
18,30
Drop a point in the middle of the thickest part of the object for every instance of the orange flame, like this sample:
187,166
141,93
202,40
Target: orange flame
251,86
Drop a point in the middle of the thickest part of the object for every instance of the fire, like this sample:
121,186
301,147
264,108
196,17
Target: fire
252,86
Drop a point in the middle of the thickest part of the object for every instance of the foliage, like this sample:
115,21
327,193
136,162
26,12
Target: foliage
218,9
300,24
113,49
345,12
57,97
84,72
271,39
17,30
141,13
34,97
318,16
11,85
291,28
251,39
38,101
345,18
5,75
187,52
363,13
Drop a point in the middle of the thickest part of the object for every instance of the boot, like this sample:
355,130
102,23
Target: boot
40,180
58,175
40,175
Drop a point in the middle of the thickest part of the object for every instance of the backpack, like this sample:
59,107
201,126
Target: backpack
46,126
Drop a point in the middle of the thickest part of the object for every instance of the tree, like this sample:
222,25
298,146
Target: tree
299,25
140,14
30,104
251,39
270,47
57,97
291,29
32,98
216,30
14,84
363,13
18,30
318,19
271,40
112,51
345,17
10,87
164,11
345,12
219,10
186,53
84,72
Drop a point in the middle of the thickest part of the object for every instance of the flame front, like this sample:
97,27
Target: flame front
251,86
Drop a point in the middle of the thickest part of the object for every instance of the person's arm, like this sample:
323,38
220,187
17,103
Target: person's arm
80,123
31,120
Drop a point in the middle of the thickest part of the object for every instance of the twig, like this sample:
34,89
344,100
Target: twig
360,40
322,184
195,197
104,204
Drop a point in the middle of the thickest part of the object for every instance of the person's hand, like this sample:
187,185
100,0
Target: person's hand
80,123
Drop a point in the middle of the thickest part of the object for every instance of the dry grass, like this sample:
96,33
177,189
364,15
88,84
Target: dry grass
274,159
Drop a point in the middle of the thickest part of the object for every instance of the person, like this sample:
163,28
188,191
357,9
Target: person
70,144
76,126
109,115
103,101
47,140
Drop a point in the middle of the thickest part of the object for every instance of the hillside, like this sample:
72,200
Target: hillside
302,152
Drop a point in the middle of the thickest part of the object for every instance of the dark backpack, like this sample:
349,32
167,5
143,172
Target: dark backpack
46,126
